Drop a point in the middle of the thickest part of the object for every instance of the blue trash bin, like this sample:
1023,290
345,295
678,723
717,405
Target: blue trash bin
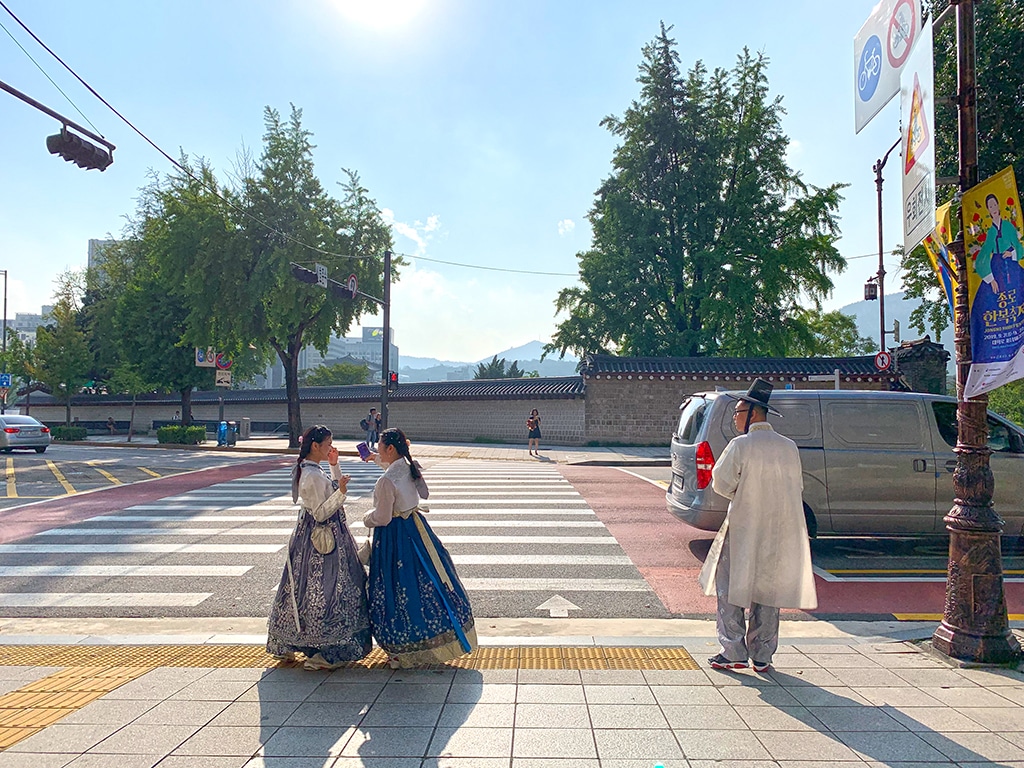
222,433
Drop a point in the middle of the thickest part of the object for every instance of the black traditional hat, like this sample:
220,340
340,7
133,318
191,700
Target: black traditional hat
758,394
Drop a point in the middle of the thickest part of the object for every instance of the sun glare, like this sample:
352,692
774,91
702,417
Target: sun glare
380,14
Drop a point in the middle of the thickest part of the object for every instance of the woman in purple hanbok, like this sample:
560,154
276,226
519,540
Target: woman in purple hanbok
320,606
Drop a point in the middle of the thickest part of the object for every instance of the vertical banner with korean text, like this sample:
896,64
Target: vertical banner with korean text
936,246
995,280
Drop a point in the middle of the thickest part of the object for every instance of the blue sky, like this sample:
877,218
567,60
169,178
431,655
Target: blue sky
473,123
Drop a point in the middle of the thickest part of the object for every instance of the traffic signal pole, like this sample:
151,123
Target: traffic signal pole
385,356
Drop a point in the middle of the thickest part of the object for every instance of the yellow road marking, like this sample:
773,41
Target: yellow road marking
1010,571
938,616
150,472
60,477
104,472
12,489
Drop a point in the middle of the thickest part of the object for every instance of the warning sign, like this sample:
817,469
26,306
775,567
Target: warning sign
917,116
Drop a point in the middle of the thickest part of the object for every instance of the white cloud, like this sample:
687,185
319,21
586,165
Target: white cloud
417,232
566,226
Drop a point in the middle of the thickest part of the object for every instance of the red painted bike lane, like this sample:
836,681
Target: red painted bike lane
21,522
670,553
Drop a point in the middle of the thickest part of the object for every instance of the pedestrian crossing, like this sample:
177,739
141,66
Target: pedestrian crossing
519,535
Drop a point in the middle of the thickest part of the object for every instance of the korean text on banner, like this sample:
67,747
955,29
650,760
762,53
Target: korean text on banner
880,51
935,245
995,281
917,110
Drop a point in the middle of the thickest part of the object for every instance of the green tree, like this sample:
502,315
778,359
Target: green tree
130,378
62,354
832,334
705,241
1008,400
999,30
251,298
498,369
19,361
339,374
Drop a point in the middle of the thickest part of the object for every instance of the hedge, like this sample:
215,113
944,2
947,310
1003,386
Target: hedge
181,435
68,433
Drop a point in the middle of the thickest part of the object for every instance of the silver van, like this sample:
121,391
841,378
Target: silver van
873,462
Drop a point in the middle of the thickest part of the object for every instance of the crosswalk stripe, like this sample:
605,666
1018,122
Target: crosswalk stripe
166,532
512,540
96,549
123,570
528,559
508,524
191,517
555,585
445,493
554,511
201,507
432,502
102,599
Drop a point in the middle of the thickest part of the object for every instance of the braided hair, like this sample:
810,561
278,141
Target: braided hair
315,434
396,438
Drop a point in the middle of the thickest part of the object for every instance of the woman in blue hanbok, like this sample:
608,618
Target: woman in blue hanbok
320,606
419,611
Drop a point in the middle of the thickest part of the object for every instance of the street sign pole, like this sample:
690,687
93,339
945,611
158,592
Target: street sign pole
385,356
974,624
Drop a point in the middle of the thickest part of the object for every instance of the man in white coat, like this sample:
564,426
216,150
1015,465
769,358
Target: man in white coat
761,558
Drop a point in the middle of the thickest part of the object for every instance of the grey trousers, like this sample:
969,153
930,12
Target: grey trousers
760,639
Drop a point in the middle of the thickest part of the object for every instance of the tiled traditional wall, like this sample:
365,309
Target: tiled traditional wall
642,409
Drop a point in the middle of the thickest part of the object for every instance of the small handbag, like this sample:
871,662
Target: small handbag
322,538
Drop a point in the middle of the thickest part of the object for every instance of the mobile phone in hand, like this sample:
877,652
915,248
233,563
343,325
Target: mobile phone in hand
364,451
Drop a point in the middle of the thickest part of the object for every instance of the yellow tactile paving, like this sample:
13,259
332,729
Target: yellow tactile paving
92,671
12,487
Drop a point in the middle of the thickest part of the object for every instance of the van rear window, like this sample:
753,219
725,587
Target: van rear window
691,420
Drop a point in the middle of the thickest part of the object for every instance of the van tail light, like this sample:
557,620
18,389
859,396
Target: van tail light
44,430
705,463
11,430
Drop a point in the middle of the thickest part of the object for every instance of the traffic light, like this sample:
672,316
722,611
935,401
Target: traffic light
392,381
75,149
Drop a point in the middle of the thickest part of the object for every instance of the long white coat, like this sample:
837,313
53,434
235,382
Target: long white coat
769,552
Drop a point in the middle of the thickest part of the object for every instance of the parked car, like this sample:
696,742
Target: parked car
23,432
876,463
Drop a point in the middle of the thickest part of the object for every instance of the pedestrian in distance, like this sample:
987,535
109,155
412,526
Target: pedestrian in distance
760,560
419,610
371,425
533,432
319,609
111,425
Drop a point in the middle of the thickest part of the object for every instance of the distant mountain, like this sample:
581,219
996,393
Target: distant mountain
897,307
527,355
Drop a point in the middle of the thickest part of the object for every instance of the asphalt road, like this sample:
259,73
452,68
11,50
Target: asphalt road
205,534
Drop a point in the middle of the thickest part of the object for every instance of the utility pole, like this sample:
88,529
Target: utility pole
974,625
880,277
385,356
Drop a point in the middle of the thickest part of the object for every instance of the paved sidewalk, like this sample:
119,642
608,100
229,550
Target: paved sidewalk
854,702
584,455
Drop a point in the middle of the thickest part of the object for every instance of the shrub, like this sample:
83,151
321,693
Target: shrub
181,435
68,433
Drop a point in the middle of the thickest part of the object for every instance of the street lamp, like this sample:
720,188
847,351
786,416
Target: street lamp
3,400
880,277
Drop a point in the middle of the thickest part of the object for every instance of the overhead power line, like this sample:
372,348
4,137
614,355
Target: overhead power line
170,159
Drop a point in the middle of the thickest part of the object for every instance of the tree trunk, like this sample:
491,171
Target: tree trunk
186,406
67,412
131,420
290,360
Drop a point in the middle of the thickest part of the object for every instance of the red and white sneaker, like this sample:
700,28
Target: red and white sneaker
720,662
761,666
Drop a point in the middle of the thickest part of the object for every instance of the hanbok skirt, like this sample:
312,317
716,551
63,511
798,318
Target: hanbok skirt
419,610
328,614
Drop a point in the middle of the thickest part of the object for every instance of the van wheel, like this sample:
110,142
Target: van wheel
812,522
41,449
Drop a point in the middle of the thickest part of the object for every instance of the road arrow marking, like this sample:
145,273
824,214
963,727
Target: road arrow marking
558,607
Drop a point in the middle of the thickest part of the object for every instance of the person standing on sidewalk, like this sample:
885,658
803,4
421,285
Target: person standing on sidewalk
760,561
419,610
533,432
320,606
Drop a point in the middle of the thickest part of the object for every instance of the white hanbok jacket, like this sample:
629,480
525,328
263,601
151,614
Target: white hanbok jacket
769,552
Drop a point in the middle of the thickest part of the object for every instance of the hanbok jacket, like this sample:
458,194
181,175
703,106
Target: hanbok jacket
769,551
